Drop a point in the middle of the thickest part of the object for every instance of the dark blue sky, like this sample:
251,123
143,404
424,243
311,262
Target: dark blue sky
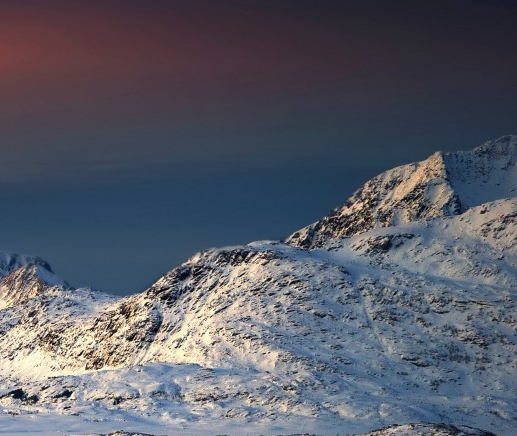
135,133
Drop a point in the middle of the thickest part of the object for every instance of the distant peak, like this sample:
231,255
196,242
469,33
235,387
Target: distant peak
10,262
27,281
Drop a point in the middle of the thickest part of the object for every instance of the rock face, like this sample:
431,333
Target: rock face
398,307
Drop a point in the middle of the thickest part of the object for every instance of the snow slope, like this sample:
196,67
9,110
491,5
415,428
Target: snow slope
407,316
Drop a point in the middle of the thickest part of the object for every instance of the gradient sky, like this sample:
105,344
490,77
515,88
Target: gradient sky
135,133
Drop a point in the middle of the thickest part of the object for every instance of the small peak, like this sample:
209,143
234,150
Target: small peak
10,262
435,165
26,282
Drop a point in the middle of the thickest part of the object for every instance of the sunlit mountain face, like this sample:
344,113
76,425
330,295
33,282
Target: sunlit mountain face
395,311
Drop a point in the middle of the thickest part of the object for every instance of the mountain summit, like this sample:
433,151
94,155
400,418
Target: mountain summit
10,262
398,308
23,277
443,185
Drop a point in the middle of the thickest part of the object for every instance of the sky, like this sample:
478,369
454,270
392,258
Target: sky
134,133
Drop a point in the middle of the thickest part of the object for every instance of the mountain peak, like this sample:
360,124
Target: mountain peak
444,184
26,282
10,262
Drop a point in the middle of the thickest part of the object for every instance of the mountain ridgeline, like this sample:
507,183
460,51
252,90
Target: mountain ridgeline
445,184
398,307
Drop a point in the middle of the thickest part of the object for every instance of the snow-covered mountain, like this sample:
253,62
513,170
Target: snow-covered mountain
399,307
27,281
443,185
10,262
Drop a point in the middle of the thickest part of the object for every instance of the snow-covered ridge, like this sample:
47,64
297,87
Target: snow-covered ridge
410,319
445,184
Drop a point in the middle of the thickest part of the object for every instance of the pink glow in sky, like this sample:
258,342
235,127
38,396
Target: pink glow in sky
162,127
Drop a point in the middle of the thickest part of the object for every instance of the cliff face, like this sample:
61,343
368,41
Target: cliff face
398,307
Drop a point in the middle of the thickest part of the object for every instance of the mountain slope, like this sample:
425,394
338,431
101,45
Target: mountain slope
406,319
